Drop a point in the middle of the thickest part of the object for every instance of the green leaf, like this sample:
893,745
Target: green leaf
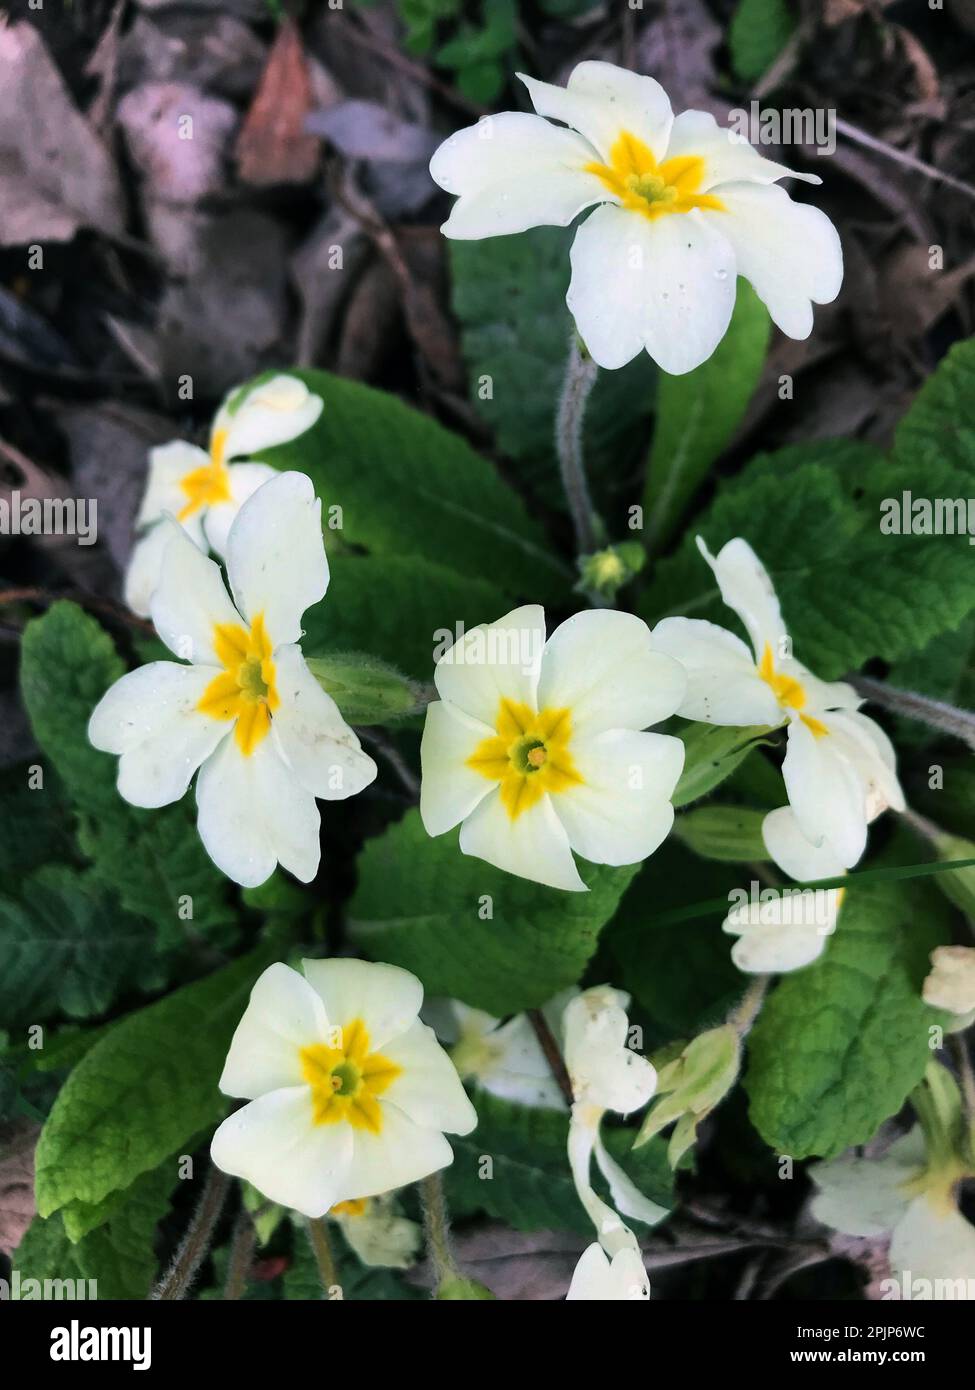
401,608
758,32
152,859
698,413
67,949
839,1046
36,824
712,752
732,834
470,931
118,1255
409,487
144,1089
530,1184
509,298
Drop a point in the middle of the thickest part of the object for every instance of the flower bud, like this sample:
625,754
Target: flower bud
689,1088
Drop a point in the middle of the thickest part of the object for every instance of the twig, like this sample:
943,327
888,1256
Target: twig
98,605
871,142
548,1044
397,762
196,1242
417,71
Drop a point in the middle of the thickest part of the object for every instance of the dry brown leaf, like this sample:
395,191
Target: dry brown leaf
17,1143
273,146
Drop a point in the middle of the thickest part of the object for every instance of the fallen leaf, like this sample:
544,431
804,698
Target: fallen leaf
274,146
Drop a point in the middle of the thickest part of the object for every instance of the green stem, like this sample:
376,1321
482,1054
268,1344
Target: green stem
580,377
176,1282
322,1250
744,1015
242,1248
436,1227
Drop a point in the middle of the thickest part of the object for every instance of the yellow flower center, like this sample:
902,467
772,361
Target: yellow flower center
345,1080
245,690
653,189
354,1207
207,486
788,691
528,755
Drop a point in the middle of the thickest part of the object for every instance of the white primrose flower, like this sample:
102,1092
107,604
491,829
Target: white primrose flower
505,1059
378,1232
247,712
535,747
686,206
932,1246
350,1094
950,984
606,1074
597,1277
787,929
839,767
202,488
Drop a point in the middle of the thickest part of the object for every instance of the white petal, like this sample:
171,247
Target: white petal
273,412
514,171
935,1246
793,852
605,1073
449,789
168,465
535,846
621,812
315,741
727,157
146,561
865,1196
190,599
150,719
401,1153
785,933
428,1091
723,684
245,479
254,814
626,1196
283,1016
825,792
865,745
276,555
515,1067
274,1144
613,1234
602,101
385,998
596,1278
789,251
492,662
602,666
666,285
746,587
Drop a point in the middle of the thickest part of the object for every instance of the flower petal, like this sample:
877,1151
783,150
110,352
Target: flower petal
428,1090
315,741
492,662
728,157
790,252
275,1144
535,846
865,1196
602,101
783,933
385,997
626,1196
666,285
245,479
190,599
621,811
272,412
514,171
865,745
168,465
746,587
255,814
596,1278
826,793
934,1246
276,555
605,1072
793,852
150,719
400,1153
449,789
146,562
602,666
723,684
284,1015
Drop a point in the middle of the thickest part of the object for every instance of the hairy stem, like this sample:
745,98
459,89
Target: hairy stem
322,1250
580,377
742,1017
436,1228
176,1283
241,1256
937,714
